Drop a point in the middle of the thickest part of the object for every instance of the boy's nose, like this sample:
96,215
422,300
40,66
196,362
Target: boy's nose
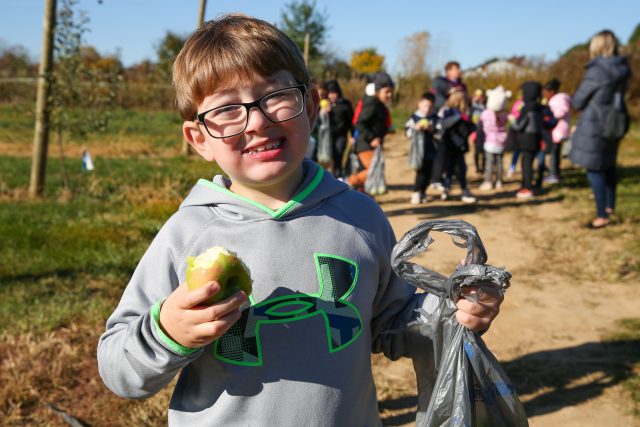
256,120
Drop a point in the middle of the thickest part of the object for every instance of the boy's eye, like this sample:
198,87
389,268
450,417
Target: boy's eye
228,111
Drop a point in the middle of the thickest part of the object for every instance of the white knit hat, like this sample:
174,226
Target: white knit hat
497,98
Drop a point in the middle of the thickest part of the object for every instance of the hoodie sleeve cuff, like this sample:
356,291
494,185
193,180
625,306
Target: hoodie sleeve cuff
171,344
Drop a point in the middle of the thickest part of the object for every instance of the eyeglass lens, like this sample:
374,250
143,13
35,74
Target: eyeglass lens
230,120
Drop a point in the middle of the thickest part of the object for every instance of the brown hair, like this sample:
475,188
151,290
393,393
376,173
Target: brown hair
449,65
604,44
227,50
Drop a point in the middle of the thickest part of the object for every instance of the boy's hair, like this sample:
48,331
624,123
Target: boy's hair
227,50
449,65
605,44
428,96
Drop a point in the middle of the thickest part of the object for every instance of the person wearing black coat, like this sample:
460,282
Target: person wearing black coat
340,118
530,132
372,126
606,74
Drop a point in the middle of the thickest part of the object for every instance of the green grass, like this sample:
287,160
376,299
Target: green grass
162,128
67,258
577,192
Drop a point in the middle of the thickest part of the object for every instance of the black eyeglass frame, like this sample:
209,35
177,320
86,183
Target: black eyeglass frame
251,105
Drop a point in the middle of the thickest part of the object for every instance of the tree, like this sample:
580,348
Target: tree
167,51
15,62
634,39
84,83
367,61
300,18
41,129
413,59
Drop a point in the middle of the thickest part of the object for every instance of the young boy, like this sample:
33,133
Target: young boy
422,124
372,125
298,353
443,87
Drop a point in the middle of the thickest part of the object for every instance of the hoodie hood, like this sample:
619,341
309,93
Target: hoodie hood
531,91
611,68
317,186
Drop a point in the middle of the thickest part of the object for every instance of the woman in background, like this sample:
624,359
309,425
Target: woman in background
606,77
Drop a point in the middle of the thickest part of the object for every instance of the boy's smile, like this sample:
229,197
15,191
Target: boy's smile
266,158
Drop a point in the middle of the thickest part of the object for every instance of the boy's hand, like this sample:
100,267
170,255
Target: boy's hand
478,316
193,325
375,142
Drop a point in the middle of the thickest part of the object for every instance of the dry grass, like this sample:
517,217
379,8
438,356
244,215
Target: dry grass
59,368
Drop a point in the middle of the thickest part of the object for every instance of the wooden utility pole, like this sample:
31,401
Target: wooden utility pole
203,6
186,148
307,41
41,130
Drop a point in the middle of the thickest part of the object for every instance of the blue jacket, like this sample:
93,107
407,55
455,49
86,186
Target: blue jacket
594,97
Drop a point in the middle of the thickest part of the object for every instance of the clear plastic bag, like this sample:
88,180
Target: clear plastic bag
324,140
471,388
375,183
416,150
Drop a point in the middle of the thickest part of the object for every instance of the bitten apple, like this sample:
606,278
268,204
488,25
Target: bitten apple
219,265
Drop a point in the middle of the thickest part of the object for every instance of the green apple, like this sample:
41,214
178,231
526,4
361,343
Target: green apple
219,265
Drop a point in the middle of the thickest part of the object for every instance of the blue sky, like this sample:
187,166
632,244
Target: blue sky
468,31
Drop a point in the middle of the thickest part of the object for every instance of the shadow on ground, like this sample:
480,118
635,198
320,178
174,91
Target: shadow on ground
569,376
556,378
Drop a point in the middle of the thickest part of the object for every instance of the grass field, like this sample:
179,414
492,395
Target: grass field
66,257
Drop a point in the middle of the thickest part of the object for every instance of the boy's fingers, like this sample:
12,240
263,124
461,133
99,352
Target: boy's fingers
191,298
218,327
221,309
477,309
472,322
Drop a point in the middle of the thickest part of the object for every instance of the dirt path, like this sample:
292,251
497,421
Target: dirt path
548,335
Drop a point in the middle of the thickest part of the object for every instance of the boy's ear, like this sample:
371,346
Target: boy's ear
195,138
313,101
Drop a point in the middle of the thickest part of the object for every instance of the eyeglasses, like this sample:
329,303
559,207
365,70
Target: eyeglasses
231,120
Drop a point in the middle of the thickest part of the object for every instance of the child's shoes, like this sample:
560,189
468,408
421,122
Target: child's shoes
485,186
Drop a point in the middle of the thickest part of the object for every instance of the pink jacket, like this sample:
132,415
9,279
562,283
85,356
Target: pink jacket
560,105
495,134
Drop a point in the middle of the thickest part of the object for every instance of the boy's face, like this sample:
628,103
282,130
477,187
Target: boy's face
424,105
332,96
385,95
454,73
266,156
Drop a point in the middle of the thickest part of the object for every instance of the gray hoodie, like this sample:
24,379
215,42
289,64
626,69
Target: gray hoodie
323,296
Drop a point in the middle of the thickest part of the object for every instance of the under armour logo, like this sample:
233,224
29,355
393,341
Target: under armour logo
338,276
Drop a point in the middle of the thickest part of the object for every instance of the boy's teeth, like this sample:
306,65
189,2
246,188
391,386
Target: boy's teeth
269,146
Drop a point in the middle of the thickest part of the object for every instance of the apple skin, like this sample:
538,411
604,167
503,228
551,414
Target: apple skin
230,273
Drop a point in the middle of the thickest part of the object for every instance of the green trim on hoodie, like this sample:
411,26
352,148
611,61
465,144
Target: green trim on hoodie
174,346
297,199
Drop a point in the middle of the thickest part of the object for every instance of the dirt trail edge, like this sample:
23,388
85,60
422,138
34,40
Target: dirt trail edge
548,334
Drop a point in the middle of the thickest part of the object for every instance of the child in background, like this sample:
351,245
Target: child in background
244,93
478,105
443,87
423,120
493,121
560,105
454,126
530,133
512,144
372,125
340,116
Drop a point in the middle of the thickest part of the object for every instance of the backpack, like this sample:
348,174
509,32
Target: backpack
616,121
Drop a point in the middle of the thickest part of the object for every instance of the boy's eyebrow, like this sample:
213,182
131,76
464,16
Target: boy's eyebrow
268,80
